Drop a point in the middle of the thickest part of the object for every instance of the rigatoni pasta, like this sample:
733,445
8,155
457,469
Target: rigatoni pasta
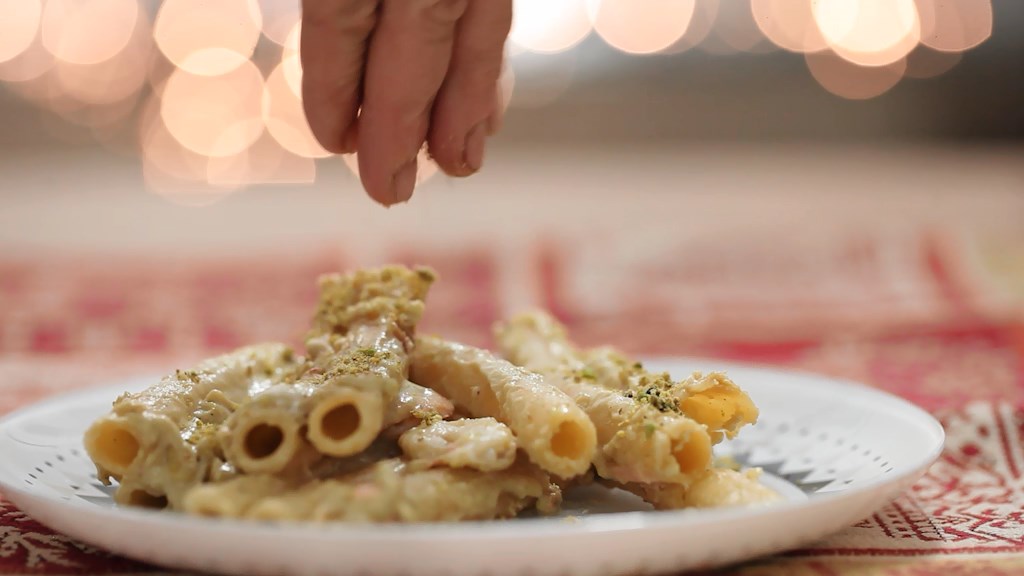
639,441
357,365
538,341
163,440
375,424
622,398
550,427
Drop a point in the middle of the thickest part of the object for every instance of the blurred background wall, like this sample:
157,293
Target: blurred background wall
204,94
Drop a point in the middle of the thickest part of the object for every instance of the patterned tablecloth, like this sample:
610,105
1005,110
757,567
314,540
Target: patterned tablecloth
930,314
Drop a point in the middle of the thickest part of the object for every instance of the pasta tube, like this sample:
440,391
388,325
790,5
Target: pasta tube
480,443
640,441
712,399
161,441
358,350
385,492
549,427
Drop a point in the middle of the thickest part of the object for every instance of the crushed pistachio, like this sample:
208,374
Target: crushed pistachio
201,432
649,429
357,362
368,352
656,392
427,417
587,374
187,375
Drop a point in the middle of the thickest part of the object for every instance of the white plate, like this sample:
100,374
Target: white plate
837,451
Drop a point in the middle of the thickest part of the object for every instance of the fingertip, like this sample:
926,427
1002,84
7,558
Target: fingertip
392,188
327,128
463,155
448,157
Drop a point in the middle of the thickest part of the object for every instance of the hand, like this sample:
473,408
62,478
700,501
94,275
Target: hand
382,77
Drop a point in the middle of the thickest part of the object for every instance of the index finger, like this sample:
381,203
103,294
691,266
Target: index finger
334,38
408,60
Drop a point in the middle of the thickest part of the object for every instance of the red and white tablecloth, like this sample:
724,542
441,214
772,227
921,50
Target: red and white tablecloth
931,312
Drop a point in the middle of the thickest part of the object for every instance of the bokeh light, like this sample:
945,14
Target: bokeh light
705,12
291,63
279,18
115,79
208,38
869,32
45,92
789,24
103,83
19,24
641,26
265,162
735,30
925,62
954,26
549,26
284,117
214,115
170,170
848,80
88,31
31,63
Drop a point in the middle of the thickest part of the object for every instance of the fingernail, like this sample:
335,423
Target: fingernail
473,154
404,181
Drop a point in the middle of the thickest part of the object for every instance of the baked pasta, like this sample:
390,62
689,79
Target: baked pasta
372,423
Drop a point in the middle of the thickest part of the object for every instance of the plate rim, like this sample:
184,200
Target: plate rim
498,529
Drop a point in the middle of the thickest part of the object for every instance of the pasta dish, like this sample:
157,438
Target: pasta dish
375,423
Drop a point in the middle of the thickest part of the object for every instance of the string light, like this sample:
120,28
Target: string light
869,32
549,26
214,115
705,12
949,26
208,38
31,63
88,31
641,26
280,17
789,24
19,22
284,117
925,62
848,80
